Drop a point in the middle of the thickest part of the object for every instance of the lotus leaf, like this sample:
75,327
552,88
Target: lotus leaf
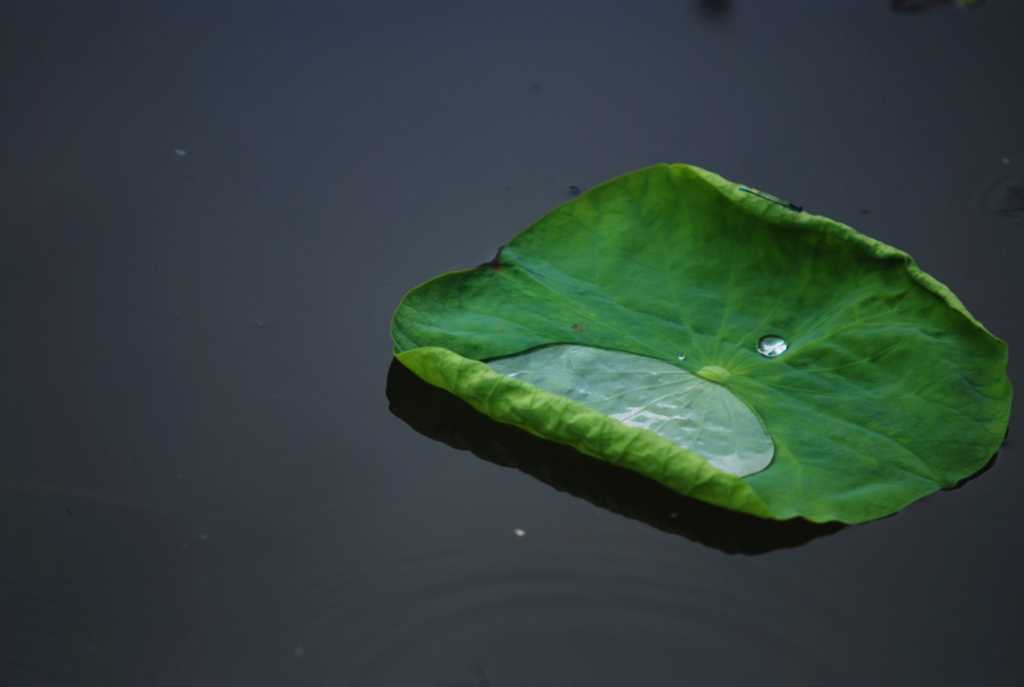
724,343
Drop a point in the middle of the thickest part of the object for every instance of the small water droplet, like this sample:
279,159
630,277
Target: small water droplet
681,356
771,346
519,533
181,152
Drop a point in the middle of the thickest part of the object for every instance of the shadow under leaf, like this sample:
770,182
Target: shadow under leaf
439,415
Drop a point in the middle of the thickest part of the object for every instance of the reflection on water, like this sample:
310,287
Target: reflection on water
916,6
441,416
714,10
510,615
1004,197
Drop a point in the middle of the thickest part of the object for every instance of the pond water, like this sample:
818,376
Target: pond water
213,473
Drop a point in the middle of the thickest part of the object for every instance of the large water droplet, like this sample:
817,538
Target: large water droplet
771,346
694,412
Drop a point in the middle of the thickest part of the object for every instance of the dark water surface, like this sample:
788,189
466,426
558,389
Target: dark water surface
209,212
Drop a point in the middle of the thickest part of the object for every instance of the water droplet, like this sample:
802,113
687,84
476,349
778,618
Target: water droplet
519,533
771,346
681,356
181,152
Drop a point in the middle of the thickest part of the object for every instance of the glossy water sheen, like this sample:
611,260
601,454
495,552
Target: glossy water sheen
642,392
771,346
341,152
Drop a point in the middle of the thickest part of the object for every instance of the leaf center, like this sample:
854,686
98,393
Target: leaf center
713,373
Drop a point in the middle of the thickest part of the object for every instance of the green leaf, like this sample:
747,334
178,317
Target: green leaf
887,391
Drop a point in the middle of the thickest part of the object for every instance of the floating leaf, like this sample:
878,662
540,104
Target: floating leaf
873,383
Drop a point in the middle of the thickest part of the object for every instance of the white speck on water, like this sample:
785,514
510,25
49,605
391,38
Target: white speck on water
771,346
518,532
681,356
298,652
181,152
